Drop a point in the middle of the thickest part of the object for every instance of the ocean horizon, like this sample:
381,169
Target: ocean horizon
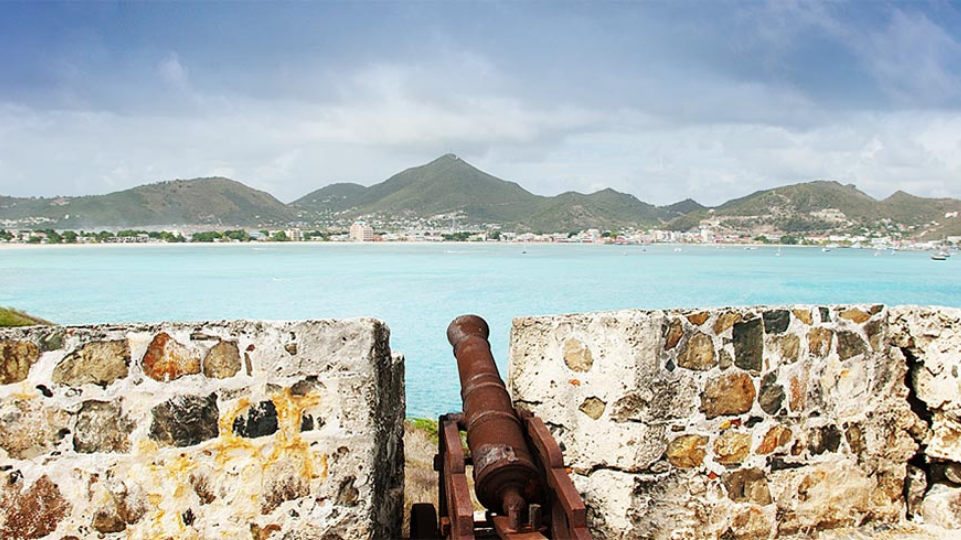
418,289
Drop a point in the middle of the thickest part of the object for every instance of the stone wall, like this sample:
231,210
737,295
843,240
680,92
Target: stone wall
207,430
750,422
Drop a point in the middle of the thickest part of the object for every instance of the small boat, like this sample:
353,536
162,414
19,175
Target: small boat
940,256
825,249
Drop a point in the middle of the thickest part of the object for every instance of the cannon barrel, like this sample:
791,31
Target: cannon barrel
505,476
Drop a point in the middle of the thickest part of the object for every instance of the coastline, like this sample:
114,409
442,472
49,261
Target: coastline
149,245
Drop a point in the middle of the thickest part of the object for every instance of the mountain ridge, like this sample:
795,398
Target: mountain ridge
449,189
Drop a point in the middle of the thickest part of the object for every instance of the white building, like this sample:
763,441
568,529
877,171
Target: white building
361,232
295,235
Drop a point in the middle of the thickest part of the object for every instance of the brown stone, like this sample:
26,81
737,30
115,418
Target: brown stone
775,437
732,447
749,345
185,420
750,524
798,400
16,358
674,334
99,362
686,451
873,330
804,316
850,344
107,520
28,429
725,321
35,512
593,407
824,439
167,360
724,359
102,427
789,346
771,396
855,438
291,348
747,485
577,355
223,361
698,354
855,315
728,394
697,319
819,342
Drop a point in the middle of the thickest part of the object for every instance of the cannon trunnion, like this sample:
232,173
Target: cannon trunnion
519,473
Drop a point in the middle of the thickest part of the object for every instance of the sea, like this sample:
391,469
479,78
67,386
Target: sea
417,289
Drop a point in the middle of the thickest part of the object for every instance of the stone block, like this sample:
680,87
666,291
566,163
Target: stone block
216,430
97,362
798,433
16,359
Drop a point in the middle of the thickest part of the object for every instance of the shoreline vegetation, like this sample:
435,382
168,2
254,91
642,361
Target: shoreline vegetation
10,317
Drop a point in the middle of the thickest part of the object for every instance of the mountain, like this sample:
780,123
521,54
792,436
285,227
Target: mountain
450,190
605,209
213,201
905,208
331,198
446,185
819,207
449,185
678,209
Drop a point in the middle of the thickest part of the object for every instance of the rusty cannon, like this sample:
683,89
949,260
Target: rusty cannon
518,468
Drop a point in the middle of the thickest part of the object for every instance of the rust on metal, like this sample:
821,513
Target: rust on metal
519,473
505,477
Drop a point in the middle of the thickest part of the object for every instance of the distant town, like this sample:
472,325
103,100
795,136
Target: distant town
449,200
361,232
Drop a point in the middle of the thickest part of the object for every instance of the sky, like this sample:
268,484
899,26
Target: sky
663,100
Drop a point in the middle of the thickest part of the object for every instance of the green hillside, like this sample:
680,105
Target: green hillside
605,209
450,186
905,208
672,211
804,198
332,198
822,206
13,317
215,201
446,185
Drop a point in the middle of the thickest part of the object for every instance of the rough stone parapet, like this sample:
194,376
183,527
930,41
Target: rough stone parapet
201,430
757,422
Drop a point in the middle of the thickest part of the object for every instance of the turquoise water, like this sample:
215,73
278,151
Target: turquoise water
418,289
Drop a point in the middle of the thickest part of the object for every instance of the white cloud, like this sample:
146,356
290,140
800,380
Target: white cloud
713,138
173,73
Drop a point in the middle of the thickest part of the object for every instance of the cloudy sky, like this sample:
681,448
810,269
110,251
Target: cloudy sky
709,100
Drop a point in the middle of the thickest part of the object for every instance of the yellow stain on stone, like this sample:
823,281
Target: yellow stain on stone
164,473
